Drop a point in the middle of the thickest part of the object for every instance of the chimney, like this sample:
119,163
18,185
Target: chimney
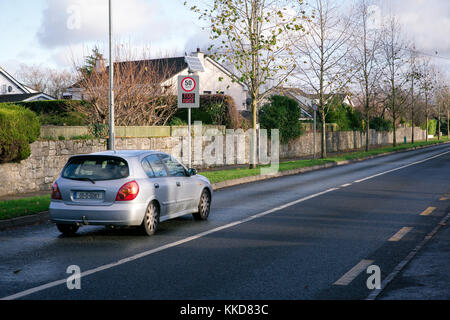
100,65
199,54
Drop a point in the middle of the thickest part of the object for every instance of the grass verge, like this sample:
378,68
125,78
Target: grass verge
224,175
23,207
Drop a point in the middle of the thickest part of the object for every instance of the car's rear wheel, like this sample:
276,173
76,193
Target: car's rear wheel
151,219
204,206
68,229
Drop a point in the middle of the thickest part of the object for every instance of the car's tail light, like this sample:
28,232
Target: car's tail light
56,194
128,191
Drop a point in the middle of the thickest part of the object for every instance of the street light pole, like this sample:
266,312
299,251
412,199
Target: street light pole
111,144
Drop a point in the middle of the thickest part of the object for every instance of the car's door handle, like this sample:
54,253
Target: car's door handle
156,186
178,184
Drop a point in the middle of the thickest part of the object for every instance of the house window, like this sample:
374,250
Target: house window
10,89
207,92
220,92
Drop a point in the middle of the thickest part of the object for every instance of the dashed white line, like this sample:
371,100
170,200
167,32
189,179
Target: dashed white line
347,278
400,234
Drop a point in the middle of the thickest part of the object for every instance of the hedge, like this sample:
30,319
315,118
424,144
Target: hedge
432,126
282,113
215,109
59,112
18,128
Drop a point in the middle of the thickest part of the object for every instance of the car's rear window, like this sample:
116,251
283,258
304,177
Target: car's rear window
96,168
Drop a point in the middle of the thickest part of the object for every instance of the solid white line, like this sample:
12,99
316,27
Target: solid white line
400,234
165,247
347,278
402,167
177,243
346,185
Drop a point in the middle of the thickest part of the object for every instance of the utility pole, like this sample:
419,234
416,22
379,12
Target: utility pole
111,142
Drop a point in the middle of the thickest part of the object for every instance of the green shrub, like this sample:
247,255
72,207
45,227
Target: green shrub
217,109
83,137
18,128
432,126
99,130
175,121
346,118
379,124
282,113
59,112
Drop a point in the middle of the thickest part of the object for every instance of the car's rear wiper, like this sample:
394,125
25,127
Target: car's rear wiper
83,179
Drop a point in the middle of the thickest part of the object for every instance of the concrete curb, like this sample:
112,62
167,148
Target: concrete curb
44,216
24,221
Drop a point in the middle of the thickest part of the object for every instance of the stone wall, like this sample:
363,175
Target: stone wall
48,157
345,140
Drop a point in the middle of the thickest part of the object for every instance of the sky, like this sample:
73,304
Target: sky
52,33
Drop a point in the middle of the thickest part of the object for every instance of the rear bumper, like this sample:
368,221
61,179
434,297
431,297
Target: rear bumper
117,214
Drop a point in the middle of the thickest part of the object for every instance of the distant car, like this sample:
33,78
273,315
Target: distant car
127,188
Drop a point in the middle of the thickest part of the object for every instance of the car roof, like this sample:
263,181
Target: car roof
125,153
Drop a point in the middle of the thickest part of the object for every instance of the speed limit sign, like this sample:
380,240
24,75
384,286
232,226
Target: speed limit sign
188,92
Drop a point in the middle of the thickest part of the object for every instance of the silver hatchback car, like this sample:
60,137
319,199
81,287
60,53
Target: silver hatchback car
127,188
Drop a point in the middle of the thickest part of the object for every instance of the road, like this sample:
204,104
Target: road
296,237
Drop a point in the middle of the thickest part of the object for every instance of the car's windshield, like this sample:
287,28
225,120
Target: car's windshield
96,168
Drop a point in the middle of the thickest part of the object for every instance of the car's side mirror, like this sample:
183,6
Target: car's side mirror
192,172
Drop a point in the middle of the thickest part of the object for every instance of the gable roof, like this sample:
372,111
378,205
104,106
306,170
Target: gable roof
25,97
19,85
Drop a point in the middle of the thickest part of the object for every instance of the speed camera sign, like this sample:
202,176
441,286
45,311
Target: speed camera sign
188,92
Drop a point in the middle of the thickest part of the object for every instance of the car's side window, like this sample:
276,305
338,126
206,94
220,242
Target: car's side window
148,168
157,166
175,168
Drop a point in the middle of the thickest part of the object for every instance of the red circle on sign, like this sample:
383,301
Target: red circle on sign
182,82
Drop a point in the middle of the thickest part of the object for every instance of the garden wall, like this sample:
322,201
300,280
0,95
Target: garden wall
40,170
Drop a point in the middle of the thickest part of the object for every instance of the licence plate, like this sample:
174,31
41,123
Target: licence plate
88,195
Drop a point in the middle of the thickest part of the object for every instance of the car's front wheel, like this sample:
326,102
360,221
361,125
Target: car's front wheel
204,206
68,229
151,219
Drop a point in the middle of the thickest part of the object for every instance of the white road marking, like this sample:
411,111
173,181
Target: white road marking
402,167
400,234
347,278
428,211
200,235
346,185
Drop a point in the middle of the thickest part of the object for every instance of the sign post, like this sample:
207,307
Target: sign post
188,98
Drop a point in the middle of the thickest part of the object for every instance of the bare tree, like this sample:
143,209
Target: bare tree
365,57
443,101
47,80
393,46
427,86
413,77
323,54
143,96
252,36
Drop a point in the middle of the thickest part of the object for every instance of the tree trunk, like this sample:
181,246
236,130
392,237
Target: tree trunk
253,155
324,137
394,120
367,134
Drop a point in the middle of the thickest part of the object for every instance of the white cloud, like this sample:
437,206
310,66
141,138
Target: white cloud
80,21
426,22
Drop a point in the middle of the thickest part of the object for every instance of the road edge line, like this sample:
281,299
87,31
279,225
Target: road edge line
374,295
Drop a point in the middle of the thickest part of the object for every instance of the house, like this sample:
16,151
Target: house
215,79
12,90
306,101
